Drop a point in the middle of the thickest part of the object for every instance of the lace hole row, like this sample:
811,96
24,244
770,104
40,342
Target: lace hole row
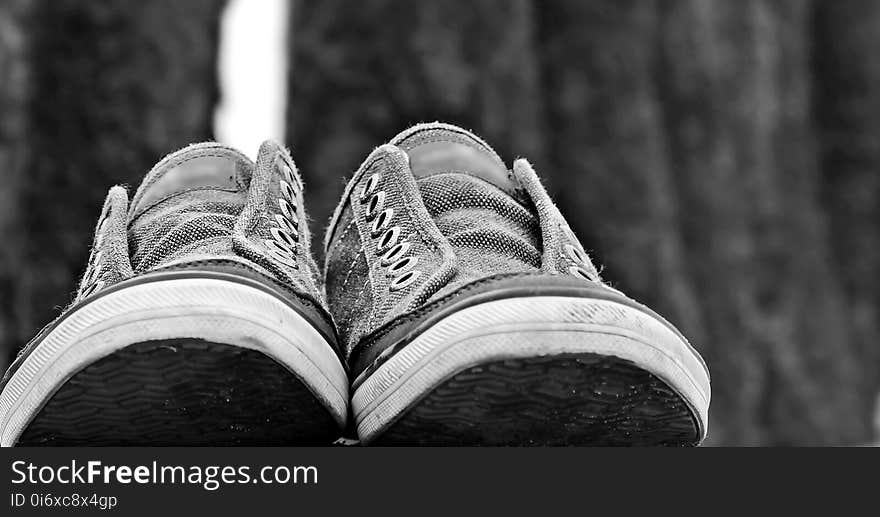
102,230
285,170
285,234
94,267
287,209
284,258
91,276
282,236
91,282
95,259
281,252
390,248
279,246
287,191
287,225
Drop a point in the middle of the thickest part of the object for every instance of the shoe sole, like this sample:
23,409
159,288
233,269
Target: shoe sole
541,370
184,361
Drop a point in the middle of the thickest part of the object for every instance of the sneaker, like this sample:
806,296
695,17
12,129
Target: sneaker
199,319
469,313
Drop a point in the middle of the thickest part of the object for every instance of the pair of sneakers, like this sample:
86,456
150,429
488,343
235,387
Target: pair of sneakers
455,306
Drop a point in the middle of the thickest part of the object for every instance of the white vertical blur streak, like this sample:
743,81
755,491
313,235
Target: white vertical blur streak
252,71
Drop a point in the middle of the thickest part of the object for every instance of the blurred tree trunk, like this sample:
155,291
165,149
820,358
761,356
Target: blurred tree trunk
13,100
847,77
113,86
738,88
701,148
361,72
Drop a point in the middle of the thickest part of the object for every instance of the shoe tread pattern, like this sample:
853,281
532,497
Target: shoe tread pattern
182,392
560,400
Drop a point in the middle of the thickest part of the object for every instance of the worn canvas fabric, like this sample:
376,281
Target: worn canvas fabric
419,221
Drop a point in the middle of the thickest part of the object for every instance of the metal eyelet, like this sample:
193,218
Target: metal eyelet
369,187
102,229
287,191
404,280
575,254
284,169
581,272
92,289
287,209
94,263
377,202
287,225
402,265
281,235
92,274
388,239
395,253
279,247
382,221
283,258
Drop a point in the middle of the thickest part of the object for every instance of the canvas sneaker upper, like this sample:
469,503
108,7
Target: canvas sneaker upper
199,320
208,207
431,217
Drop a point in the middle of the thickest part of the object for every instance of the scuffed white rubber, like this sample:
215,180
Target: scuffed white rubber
529,327
211,309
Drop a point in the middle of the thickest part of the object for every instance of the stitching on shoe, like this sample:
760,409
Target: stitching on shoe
358,330
339,239
347,193
213,151
353,264
429,127
442,139
211,154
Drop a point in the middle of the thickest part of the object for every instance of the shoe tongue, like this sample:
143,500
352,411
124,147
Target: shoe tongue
199,166
442,148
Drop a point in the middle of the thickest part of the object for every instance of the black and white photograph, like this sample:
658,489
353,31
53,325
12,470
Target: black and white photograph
485,223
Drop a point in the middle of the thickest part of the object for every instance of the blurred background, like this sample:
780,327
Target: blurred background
720,159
